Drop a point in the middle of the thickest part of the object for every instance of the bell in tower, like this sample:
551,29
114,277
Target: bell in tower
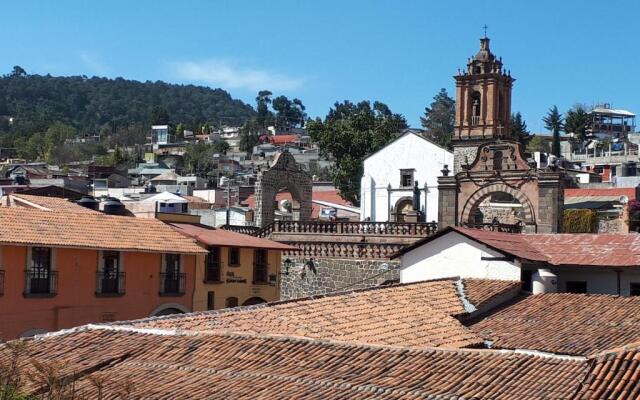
483,104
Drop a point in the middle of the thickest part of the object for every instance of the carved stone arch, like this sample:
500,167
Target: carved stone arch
287,174
472,204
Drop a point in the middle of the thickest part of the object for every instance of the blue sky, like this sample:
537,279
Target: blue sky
398,52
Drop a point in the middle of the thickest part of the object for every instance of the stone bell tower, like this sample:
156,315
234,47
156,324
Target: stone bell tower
483,105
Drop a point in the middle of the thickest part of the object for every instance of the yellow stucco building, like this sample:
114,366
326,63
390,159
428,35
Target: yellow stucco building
239,270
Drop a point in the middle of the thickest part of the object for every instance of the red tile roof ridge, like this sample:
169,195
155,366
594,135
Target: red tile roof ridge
251,308
299,339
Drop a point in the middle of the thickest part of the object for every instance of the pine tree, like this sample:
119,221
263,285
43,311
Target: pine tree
439,118
553,121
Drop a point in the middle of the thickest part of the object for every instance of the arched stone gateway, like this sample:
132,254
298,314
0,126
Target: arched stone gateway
285,173
501,186
474,204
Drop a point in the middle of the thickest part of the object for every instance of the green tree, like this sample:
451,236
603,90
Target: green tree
519,131
220,147
439,118
180,128
160,116
198,158
577,121
18,71
265,116
349,133
553,121
249,136
537,143
289,113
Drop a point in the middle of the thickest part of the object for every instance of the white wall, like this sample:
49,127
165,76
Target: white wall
383,168
599,281
455,255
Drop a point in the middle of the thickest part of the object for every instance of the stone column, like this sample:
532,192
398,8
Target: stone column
550,202
447,201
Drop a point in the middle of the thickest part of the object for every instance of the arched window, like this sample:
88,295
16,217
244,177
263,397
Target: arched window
476,107
253,301
231,302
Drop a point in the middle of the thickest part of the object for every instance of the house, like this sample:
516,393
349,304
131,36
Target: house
442,339
608,204
575,263
164,202
62,265
395,175
239,269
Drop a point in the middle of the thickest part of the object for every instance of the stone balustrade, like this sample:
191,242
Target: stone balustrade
344,250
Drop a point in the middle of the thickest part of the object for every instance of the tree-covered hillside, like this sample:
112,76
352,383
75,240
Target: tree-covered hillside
101,105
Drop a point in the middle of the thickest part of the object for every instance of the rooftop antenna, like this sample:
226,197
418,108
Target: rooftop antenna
484,27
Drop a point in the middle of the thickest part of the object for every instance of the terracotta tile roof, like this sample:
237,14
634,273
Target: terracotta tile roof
154,366
564,323
418,315
90,230
221,237
558,249
614,375
283,139
51,203
604,192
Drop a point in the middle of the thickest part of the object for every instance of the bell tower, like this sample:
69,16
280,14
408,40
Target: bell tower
483,104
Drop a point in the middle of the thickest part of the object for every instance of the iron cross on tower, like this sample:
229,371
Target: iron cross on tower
485,29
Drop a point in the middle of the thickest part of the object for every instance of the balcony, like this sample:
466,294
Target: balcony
172,284
110,284
40,283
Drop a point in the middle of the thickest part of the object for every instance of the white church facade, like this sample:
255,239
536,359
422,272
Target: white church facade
399,174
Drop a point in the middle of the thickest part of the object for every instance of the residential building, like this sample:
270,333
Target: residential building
62,267
238,269
575,263
400,174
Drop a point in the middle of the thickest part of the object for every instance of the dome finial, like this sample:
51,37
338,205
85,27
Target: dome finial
484,27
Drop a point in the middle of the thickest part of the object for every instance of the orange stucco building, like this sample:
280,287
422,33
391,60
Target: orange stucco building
64,268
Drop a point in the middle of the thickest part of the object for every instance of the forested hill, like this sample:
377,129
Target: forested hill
92,104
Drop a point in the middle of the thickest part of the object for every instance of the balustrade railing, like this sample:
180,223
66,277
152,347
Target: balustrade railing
497,227
247,230
172,284
344,250
110,283
342,228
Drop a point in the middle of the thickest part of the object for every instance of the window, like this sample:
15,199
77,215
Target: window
634,289
212,273
211,300
475,108
172,280
231,302
260,266
110,278
526,276
497,160
234,256
576,287
406,178
39,276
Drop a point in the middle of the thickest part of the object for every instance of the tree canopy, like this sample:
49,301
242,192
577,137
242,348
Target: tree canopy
349,133
101,105
439,118
519,131
554,122
577,120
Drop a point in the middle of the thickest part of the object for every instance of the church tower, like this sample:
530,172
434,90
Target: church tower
483,104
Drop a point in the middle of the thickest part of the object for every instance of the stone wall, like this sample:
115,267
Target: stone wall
606,225
333,275
462,154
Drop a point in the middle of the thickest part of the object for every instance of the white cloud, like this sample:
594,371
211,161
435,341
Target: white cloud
94,63
227,74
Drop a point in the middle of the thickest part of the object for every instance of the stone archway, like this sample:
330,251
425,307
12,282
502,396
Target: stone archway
168,309
402,207
254,301
285,173
471,207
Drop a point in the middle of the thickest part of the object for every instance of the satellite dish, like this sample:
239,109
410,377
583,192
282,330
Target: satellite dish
623,199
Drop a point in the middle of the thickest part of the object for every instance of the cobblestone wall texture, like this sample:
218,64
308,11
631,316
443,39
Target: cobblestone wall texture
335,275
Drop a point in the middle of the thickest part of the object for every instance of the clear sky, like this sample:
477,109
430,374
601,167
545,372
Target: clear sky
398,52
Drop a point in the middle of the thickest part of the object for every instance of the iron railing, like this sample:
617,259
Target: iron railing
41,281
172,284
247,230
110,283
